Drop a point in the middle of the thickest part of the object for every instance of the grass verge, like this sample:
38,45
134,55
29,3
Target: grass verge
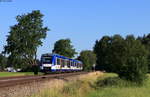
8,74
112,86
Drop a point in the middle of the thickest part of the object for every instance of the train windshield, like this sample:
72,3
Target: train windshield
47,60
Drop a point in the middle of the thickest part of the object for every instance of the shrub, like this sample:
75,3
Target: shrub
114,82
134,64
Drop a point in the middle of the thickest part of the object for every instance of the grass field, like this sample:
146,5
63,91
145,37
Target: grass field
7,74
86,87
122,89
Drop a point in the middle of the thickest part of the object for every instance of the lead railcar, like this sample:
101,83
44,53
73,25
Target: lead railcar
58,63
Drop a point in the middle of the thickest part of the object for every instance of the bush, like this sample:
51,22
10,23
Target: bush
135,71
134,64
114,82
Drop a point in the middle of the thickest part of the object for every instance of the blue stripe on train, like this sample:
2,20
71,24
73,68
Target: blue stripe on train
54,70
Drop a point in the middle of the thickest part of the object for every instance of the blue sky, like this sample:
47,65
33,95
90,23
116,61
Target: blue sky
83,21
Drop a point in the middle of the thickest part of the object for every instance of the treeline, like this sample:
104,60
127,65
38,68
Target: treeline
128,57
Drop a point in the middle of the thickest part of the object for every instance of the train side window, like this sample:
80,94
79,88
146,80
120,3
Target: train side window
65,62
55,61
62,62
74,64
58,61
68,63
71,63
77,65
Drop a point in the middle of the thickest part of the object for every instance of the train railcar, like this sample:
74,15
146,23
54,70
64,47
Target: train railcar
58,63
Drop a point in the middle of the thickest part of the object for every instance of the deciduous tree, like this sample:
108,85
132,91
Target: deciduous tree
25,37
64,47
88,58
146,42
102,51
3,62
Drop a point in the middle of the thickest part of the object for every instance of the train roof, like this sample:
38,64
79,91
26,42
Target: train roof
60,56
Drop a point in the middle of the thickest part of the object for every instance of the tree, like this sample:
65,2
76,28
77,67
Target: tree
25,37
88,58
134,66
64,47
145,40
3,62
117,53
102,51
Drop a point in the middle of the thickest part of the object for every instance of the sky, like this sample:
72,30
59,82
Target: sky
82,21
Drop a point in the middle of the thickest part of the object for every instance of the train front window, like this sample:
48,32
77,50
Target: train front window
47,60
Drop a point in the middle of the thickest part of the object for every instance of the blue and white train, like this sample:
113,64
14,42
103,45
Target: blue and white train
58,63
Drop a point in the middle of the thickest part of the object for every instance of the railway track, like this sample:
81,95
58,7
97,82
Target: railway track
19,80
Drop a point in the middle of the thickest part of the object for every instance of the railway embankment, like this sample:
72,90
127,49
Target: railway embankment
51,86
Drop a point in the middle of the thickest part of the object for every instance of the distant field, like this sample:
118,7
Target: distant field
8,74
